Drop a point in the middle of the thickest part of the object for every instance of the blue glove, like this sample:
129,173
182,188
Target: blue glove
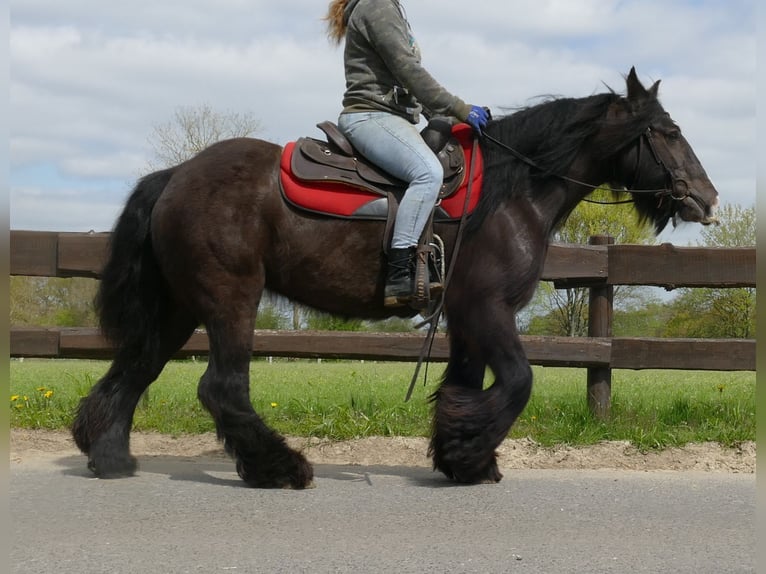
478,118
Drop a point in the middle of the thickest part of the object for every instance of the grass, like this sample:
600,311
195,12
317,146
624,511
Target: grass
340,400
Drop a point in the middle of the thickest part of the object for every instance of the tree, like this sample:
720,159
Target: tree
646,319
68,302
565,311
192,129
712,312
52,301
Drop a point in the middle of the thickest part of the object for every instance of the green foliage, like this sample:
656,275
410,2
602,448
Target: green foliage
617,221
698,312
269,317
319,321
648,319
714,313
737,228
564,312
724,313
52,301
347,399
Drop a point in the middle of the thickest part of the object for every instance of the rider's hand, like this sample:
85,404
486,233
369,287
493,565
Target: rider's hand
478,118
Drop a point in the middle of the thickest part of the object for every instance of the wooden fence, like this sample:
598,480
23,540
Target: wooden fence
599,266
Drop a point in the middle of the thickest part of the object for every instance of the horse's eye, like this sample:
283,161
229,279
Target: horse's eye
673,135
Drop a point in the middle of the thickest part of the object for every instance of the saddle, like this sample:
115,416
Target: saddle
331,178
337,160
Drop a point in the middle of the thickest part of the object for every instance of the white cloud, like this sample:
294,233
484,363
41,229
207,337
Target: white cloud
63,210
89,80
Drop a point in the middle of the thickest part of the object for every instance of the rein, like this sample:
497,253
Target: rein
433,319
647,135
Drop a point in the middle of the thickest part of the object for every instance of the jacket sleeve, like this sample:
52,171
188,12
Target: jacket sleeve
389,34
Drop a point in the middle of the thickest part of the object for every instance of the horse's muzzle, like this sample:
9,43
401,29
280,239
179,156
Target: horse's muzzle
694,209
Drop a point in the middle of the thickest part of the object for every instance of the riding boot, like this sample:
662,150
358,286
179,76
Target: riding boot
400,277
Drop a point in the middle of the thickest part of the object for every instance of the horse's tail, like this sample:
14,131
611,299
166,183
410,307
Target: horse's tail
131,294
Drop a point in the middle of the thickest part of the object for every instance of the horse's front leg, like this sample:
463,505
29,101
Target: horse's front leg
470,423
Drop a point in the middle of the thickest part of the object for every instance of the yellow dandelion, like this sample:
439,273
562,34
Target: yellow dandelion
41,389
533,418
14,398
48,394
274,405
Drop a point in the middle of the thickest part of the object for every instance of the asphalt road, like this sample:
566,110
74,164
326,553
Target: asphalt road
194,515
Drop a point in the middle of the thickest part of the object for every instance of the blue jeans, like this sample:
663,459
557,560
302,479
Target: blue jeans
395,145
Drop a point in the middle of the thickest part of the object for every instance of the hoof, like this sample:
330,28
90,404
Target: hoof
113,467
311,485
471,476
292,472
467,469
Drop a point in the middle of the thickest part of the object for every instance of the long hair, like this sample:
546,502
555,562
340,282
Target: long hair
336,24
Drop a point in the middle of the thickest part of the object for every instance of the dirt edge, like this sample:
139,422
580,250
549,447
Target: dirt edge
29,445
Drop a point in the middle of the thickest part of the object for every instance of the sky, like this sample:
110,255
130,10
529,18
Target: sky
90,80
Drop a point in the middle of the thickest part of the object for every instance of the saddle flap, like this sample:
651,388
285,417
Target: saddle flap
317,161
318,152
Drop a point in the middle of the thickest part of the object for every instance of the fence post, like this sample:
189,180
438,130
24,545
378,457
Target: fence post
600,302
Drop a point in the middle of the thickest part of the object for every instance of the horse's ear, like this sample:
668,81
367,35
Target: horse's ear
654,90
638,95
636,89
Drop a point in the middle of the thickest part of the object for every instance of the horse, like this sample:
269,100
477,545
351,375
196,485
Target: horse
197,244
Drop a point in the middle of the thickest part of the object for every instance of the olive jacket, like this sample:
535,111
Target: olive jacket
383,68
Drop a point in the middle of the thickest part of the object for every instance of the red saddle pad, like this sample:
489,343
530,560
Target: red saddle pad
343,200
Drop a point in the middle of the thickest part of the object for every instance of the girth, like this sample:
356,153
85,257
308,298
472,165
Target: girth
336,160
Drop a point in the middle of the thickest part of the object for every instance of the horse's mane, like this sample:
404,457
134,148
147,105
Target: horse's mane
551,134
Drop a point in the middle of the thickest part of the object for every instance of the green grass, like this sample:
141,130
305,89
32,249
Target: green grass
340,400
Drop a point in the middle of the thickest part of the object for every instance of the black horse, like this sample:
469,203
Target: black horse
199,242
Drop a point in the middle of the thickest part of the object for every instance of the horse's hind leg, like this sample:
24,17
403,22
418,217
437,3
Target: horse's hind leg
262,456
104,418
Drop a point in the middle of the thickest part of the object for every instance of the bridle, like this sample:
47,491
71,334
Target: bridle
674,177
432,320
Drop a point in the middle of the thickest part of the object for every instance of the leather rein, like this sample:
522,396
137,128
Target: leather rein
647,136
432,320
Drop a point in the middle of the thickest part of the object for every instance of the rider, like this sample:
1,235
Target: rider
387,89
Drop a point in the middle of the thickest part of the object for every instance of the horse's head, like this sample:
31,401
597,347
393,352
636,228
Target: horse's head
660,168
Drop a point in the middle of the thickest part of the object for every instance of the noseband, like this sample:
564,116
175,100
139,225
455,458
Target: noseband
677,187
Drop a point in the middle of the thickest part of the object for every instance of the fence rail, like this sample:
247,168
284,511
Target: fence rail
585,352
597,266
57,254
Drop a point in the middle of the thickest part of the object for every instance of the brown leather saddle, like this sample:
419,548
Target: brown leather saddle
336,160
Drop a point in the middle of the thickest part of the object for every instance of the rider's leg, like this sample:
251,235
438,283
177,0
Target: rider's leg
395,145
